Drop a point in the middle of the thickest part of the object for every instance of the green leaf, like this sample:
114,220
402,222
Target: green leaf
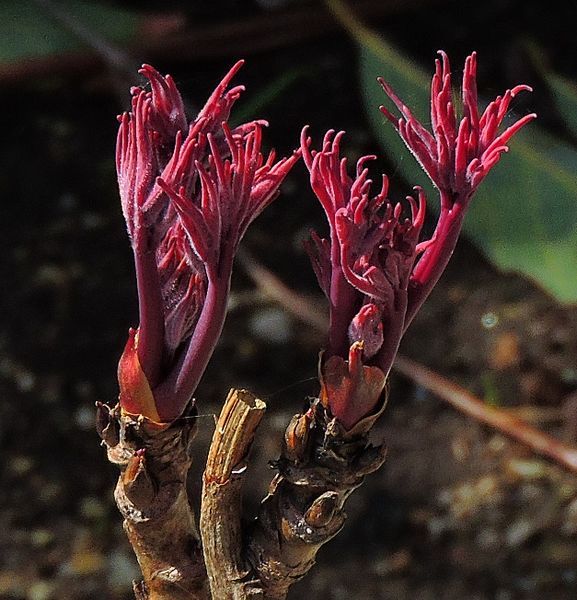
268,94
564,94
27,31
563,90
524,215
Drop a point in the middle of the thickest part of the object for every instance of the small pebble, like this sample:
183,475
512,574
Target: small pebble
437,526
518,532
21,465
92,221
92,508
122,570
272,325
527,469
489,320
41,537
84,417
41,590
497,444
25,381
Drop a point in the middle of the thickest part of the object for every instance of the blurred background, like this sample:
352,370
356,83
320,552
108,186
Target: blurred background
458,512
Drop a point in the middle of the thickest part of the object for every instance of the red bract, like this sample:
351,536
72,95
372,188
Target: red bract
373,269
189,191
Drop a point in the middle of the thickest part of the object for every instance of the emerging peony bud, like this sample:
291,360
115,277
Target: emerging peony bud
189,191
373,269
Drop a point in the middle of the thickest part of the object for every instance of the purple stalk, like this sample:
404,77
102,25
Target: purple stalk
434,260
343,300
178,388
150,313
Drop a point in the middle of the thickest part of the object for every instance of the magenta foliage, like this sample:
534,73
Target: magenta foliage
189,191
373,269
457,155
365,268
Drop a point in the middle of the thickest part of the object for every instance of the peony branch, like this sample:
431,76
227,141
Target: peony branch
151,496
221,509
320,465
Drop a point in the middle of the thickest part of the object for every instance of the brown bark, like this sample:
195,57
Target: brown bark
151,496
220,517
320,465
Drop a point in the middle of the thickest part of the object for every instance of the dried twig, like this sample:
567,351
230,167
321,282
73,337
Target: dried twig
276,290
320,465
151,495
221,509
